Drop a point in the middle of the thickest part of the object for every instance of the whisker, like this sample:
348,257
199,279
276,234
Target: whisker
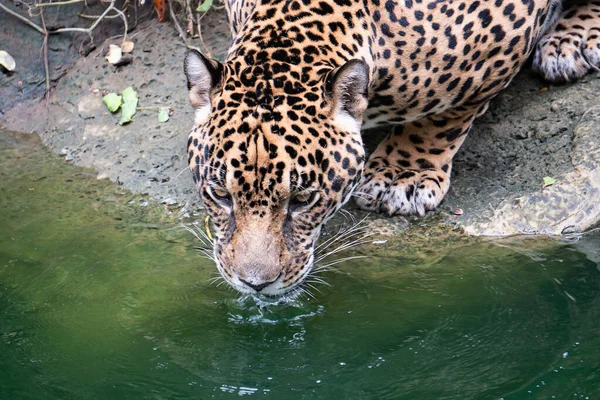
313,287
207,253
316,279
343,233
343,260
348,215
342,241
221,283
344,246
181,172
308,292
196,232
363,195
322,269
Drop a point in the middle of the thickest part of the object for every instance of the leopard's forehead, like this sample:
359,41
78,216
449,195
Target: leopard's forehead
273,152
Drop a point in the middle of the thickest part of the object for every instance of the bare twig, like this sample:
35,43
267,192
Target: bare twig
22,18
89,30
45,51
85,16
58,3
189,18
124,18
176,23
151,108
206,49
44,31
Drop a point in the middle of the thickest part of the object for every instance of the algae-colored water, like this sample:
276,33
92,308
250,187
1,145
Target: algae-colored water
99,299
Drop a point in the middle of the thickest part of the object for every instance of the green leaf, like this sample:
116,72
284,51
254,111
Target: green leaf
163,114
548,181
127,112
129,107
129,95
112,101
205,6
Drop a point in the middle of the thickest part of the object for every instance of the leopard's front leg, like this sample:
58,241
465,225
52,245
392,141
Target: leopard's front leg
409,172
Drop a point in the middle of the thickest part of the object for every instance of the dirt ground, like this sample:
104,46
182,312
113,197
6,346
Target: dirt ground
531,131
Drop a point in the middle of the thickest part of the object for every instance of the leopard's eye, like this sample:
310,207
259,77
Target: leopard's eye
220,195
303,199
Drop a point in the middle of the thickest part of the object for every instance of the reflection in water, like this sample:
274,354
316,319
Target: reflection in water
97,300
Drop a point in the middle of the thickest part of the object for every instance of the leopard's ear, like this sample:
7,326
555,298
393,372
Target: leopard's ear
203,77
348,88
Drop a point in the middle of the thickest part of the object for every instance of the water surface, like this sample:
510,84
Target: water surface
100,299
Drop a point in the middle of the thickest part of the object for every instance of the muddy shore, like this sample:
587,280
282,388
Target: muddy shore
532,130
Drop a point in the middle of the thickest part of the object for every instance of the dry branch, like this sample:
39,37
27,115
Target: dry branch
22,18
44,31
45,50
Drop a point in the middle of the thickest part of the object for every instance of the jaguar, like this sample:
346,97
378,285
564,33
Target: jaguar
276,148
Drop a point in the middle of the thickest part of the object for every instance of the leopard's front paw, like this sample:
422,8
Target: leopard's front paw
570,51
559,61
396,191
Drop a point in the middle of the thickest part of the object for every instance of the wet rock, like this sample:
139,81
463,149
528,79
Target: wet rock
570,205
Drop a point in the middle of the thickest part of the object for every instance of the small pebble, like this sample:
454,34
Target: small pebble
522,135
458,211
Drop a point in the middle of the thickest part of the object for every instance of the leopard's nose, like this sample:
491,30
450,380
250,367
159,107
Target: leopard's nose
257,287
258,284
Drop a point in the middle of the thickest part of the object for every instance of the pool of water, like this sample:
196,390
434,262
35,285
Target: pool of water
102,298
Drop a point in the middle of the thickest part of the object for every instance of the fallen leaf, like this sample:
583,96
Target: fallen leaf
163,114
114,54
129,107
129,94
548,181
127,112
7,61
112,101
543,89
127,46
205,6
160,7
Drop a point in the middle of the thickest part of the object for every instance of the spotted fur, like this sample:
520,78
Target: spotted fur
276,149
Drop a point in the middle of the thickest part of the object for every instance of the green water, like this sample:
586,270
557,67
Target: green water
101,300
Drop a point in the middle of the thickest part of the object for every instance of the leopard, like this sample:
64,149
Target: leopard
277,143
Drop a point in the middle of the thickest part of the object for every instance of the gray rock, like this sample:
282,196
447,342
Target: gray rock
91,106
